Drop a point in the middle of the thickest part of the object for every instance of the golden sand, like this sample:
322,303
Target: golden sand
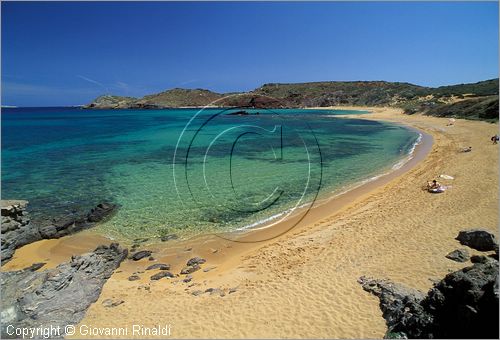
304,283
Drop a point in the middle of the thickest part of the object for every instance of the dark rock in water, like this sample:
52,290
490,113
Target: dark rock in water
59,296
161,275
140,255
169,237
190,269
101,212
18,230
151,258
160,266
140,240
238,113
478,239
196,260
74,223
196,292
462,305
48,231
133,278
459,255
188,278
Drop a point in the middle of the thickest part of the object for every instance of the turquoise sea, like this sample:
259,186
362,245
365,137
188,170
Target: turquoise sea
186,171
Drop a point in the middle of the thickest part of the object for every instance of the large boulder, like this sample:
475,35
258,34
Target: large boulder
59,296
462,305
465,303
401,308
478,239
101,212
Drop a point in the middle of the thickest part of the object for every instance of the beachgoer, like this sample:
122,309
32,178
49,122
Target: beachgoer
433,185
495,139
469,149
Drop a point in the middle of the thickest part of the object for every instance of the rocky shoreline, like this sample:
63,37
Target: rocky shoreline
462,305
18,230
56,297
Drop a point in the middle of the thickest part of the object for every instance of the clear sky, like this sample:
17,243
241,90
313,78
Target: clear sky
62,53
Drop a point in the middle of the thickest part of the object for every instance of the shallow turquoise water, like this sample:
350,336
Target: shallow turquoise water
186,172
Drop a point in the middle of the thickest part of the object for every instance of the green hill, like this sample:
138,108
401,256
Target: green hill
473,101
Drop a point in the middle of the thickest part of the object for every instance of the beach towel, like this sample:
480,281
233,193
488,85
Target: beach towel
439,190
446,176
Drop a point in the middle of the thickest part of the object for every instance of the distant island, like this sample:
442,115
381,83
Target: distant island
472,101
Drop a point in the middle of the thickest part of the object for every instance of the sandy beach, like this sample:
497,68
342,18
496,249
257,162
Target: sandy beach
303,283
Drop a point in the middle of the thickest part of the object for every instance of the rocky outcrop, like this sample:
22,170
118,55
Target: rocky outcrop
401,307
18,230
458,255
171,98
111,102
59,296
462,305
100,212
478,239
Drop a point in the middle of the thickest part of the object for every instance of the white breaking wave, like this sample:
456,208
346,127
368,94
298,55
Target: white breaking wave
398,165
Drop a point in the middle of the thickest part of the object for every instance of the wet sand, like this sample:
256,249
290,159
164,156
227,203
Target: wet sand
304,282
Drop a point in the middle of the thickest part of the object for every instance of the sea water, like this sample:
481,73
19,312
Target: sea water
189,171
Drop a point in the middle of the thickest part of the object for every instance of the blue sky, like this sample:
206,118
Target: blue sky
62,53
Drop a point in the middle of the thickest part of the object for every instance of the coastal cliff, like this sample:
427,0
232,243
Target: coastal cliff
474,101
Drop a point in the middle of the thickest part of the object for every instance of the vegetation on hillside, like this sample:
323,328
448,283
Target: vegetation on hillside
472,101
483,108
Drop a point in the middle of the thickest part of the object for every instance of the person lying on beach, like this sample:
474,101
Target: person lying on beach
469,149
434,185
